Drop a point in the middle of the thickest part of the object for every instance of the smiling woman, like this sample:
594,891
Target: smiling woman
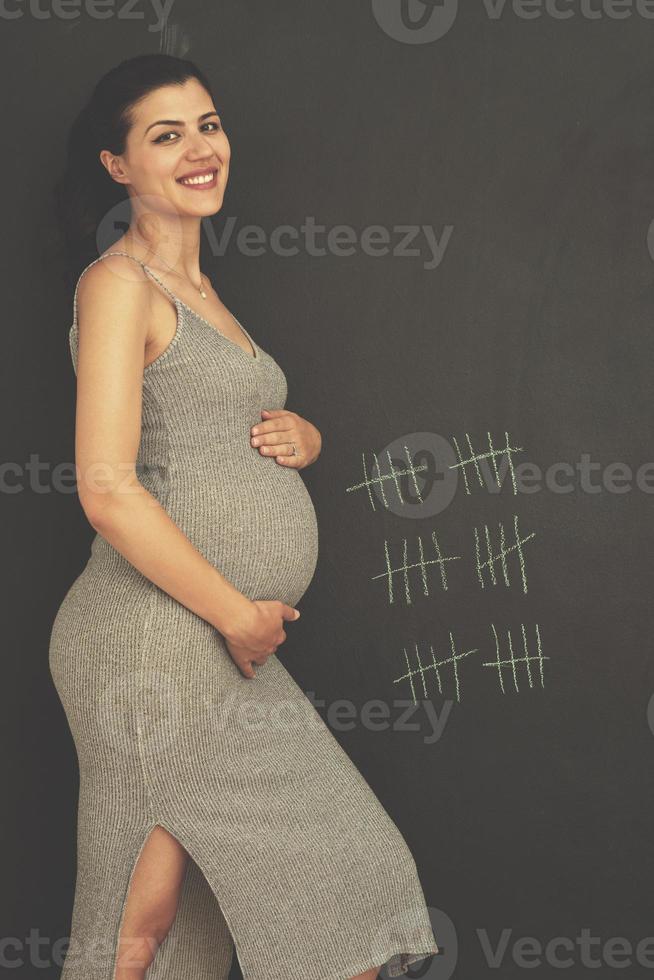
196,826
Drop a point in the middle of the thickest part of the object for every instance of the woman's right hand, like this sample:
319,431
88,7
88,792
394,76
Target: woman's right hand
256,632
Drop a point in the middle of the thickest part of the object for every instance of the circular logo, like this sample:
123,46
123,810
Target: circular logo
415,21
414,476
409,923
144,222
140,710
650,714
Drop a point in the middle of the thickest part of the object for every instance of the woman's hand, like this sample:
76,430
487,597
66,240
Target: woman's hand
273,437
255,633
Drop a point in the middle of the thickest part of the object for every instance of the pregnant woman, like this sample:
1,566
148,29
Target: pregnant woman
216,809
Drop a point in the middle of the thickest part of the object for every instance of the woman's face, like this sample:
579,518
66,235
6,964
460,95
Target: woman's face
176,151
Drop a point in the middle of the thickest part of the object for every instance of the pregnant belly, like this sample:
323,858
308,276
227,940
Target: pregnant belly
258,527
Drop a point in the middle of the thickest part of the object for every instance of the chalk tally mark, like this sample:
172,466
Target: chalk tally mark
513,661
421,564
435,667
392,476
474,459
501,555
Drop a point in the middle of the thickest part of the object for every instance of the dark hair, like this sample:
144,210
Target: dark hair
85,192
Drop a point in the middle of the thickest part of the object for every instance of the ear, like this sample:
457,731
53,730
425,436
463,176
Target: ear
113,167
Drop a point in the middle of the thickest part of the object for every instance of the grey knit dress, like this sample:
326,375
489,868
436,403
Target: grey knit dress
294,862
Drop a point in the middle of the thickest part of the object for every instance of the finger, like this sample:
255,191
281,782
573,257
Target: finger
275,412
289,612
281,419
284,449
276,434
247,670
294,462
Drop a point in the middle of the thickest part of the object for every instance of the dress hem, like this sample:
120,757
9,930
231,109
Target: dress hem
395,963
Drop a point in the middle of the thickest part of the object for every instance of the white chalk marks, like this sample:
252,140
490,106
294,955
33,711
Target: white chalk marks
513,662
415,566
425,676
501,555
416,476
476,460
392,476
418,569
433,668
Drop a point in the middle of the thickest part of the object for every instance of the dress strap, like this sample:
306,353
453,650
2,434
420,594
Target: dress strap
147,269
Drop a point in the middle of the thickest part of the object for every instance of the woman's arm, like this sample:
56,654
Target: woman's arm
117,305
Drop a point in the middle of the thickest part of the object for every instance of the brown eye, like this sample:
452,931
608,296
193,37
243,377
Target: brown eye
211,122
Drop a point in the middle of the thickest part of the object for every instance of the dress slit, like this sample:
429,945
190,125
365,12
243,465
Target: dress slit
121,914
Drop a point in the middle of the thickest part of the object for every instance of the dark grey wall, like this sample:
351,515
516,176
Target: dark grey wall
519,141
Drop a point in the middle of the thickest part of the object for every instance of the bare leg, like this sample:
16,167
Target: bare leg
151,904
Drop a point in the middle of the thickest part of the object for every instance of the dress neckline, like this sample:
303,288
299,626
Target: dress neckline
251,357
254,357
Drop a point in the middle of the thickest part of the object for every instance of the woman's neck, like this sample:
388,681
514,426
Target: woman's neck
177,250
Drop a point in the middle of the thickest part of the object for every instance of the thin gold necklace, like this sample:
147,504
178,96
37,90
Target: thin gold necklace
199,288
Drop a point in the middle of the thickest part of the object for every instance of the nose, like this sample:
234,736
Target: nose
199,147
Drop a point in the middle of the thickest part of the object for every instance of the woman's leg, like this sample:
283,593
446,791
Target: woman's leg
151,904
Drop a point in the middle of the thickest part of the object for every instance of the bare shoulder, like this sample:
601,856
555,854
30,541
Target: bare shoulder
114,315
116,282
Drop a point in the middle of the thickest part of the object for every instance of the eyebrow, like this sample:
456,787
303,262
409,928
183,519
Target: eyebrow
179,122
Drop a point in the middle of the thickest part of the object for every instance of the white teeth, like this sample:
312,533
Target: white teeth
205,179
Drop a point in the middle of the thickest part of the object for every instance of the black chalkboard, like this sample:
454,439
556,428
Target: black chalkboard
454,268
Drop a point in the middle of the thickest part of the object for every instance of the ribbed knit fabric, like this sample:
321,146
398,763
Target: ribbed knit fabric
294,862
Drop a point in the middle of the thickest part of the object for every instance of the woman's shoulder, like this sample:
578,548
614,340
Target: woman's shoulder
112,278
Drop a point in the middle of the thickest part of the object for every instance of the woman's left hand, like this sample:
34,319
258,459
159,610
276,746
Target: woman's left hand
280,428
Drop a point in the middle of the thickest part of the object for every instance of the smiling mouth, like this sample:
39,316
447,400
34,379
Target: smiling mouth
200,181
